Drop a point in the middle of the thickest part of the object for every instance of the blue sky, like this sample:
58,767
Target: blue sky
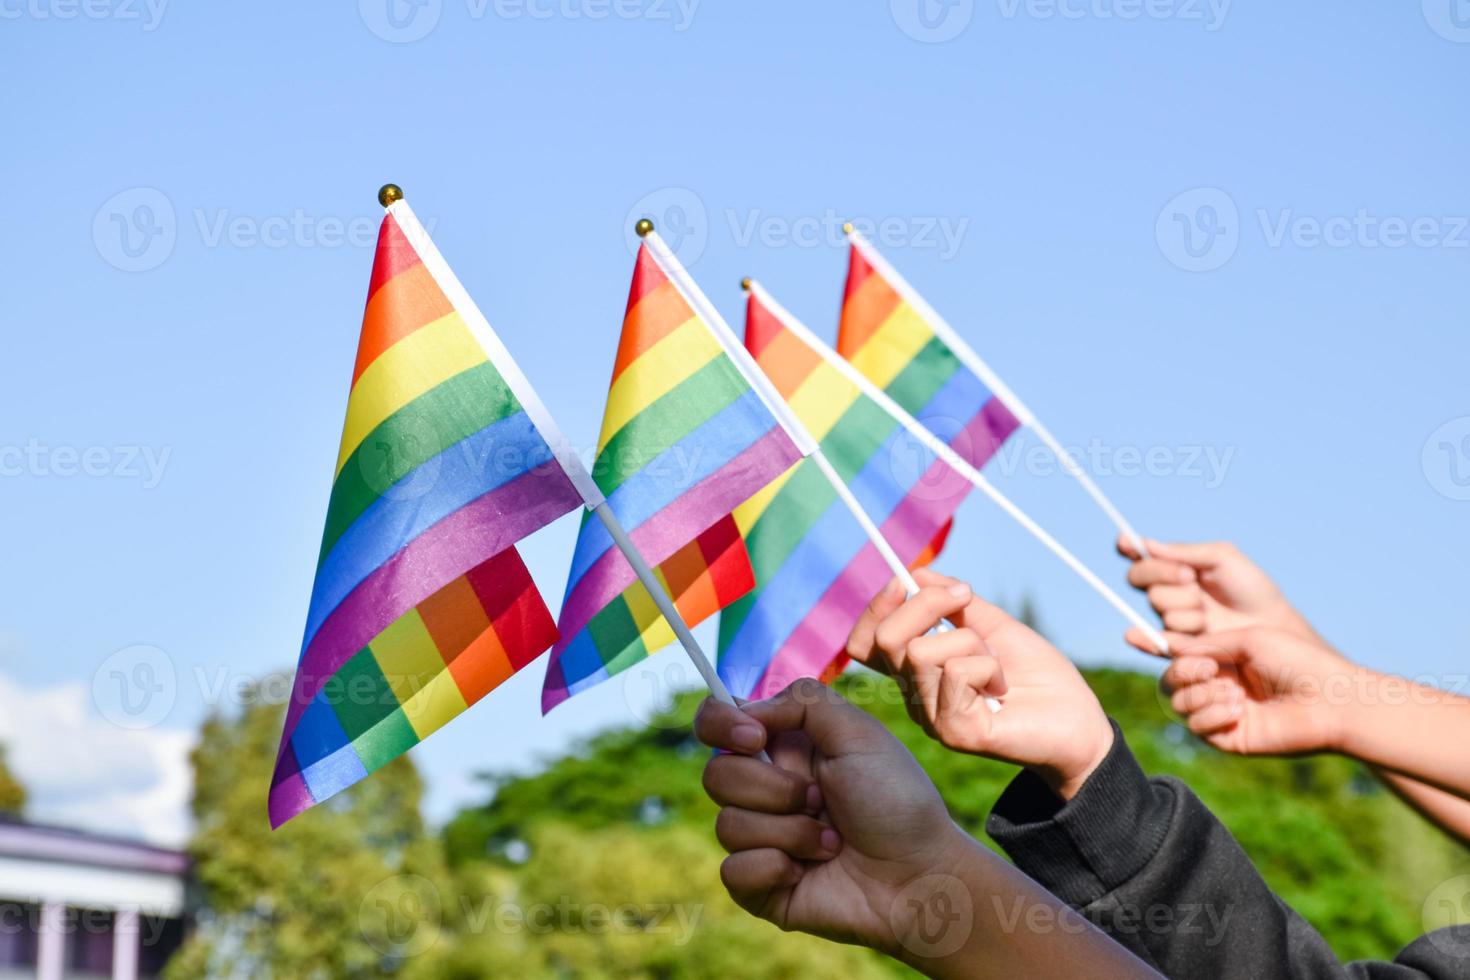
1221,248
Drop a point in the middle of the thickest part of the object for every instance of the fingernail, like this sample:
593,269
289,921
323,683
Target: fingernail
747,737
894,588
960,590
831,841
1186,575
814,798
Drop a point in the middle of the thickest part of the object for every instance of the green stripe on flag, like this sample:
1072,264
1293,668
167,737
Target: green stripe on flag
442,416
853,442
681,410
615,633
921,379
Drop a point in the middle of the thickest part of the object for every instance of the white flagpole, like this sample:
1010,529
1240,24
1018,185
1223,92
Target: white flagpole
972,360
794,427
758,380
391,197
954,461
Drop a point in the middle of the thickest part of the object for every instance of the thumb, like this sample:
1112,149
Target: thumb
1201,555
1227,647
1138,639
808,706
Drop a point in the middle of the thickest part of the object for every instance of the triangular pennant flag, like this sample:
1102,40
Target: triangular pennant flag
421,604
890,342
685,439
815,568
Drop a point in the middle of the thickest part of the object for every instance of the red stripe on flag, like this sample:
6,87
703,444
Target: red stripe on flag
394,256
868,302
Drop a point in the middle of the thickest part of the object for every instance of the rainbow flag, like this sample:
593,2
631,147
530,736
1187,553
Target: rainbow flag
889,341
421,604
685,438
815,568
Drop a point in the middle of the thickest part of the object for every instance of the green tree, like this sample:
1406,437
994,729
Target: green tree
324,895
1339,849
12,793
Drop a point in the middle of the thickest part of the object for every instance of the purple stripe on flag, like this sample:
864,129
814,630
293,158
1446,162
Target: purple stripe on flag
822,635
479,530
289,795
986,433
675,526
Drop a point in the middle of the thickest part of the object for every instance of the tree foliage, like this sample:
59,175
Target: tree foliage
12,793
604,864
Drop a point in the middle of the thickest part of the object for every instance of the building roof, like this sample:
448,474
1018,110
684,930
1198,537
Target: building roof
38,842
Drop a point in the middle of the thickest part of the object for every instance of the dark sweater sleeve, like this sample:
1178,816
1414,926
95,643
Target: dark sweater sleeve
1150,865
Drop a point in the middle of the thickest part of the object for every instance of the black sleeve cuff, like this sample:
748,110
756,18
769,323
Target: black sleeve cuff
1084,848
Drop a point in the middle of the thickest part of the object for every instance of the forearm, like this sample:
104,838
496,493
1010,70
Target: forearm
983,918
1445,810
1414,730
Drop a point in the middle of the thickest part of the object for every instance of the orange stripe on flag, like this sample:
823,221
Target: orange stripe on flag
656,315
482,667
405,303
454,618
787,361
865,310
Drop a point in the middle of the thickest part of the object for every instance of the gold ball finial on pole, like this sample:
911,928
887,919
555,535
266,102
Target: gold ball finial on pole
643,227
745,284
389,193
847,227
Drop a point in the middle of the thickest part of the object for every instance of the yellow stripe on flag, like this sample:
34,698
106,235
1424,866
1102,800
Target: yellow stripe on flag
654,630
749,512
419,362
822,399
435,705
655,373
894,344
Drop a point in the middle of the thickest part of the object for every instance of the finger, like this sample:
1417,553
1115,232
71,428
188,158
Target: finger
807,706
917,616
963,686
1155,571
927,657
1184,671
802,837
979,615
751,877
1166,597
722,726
1138,638
1227,646
1126,548
1211,719
1190,621
1202,556
1192,698
736,780
860,640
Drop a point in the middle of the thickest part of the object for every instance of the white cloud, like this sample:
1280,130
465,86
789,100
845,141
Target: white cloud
81,770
